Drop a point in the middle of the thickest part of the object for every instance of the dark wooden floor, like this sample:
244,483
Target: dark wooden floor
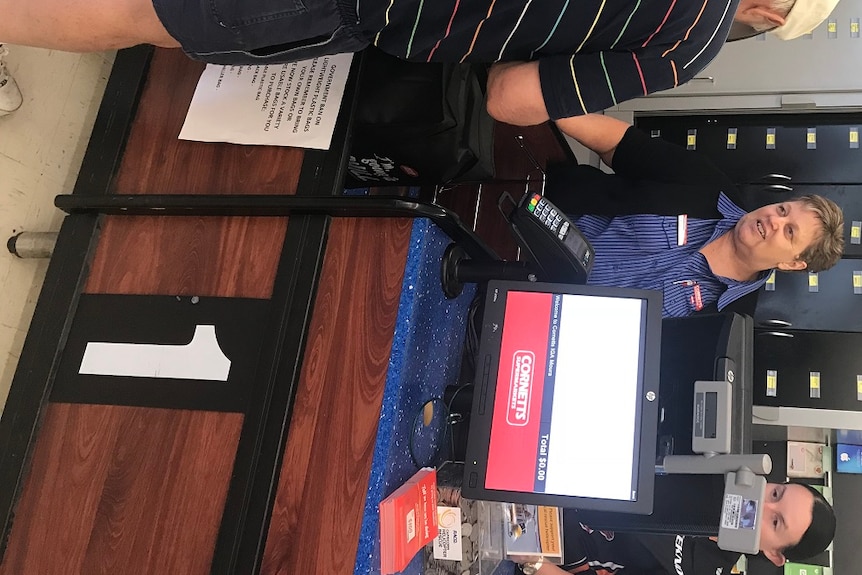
327,463
165,165
123,490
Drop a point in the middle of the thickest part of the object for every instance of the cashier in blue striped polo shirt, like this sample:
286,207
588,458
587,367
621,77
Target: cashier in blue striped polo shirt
669,220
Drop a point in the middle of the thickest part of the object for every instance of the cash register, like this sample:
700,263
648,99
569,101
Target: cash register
585,398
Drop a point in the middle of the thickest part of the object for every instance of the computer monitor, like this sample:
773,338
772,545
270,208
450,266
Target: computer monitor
565,403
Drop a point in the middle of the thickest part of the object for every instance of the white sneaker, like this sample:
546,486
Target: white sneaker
10,95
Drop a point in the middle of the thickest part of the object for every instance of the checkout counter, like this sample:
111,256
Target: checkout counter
264,473
279,468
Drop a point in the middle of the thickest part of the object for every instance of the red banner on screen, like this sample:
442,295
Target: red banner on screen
518,399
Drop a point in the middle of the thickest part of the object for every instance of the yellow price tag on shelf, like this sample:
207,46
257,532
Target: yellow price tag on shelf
854,136
832,27
770,139
731,139
856,231
812,138
812,280
814,379
692,140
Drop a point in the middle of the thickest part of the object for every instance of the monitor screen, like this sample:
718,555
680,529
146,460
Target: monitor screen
848,458
565,407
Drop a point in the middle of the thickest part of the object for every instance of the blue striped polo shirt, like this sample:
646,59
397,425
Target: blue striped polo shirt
592,54
641,251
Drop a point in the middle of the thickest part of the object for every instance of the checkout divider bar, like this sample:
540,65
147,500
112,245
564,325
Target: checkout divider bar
271,205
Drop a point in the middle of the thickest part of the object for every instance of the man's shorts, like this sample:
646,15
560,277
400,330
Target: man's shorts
239,32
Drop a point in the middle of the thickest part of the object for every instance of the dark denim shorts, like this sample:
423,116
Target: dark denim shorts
239,32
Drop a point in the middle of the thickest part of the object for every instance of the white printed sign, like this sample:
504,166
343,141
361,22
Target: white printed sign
292,104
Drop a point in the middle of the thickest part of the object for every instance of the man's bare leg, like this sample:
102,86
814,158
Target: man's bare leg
82,25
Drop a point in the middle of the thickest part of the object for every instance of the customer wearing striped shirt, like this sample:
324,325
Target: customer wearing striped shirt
669,220
553,58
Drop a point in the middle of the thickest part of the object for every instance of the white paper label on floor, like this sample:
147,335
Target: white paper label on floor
292,104
201,358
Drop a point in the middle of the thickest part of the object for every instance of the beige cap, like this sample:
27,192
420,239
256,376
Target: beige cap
805,16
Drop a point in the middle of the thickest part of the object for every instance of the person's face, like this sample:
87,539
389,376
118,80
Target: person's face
774,236
787,513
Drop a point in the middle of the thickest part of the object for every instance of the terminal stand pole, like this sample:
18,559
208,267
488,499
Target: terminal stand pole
760,464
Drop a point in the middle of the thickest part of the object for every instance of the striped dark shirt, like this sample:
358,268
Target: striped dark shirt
641,251
592,54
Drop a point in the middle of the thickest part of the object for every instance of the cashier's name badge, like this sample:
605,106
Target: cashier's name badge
681,229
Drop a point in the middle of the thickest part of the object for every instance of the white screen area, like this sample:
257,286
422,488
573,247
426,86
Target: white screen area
591,447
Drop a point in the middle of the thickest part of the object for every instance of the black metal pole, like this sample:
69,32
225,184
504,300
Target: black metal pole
278,205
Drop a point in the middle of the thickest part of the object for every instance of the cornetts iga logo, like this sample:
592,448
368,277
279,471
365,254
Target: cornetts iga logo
520,387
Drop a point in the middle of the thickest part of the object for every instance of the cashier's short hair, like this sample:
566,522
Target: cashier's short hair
825,251
819,534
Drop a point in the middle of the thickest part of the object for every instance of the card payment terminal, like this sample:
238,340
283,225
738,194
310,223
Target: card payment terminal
554,244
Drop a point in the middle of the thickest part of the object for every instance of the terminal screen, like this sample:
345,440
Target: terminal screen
567,402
